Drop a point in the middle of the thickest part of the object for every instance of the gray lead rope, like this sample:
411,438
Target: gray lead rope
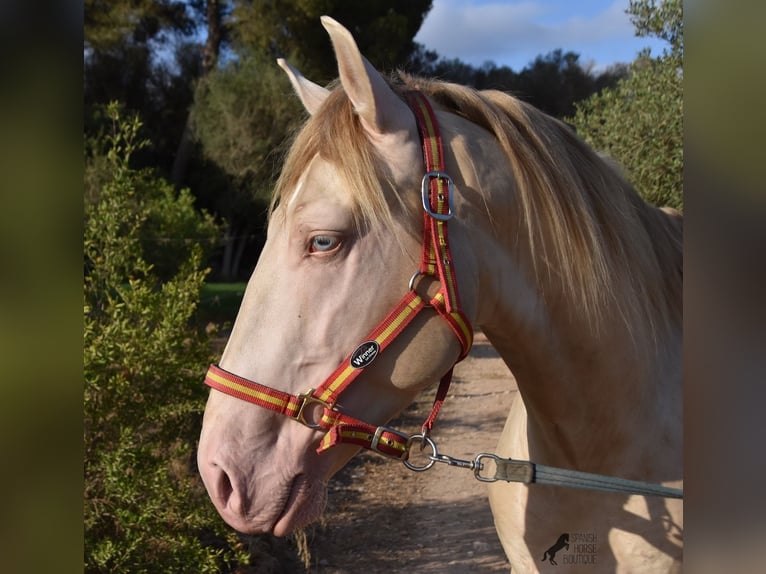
511,470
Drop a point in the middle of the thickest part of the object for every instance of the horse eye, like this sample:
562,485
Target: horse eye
324,243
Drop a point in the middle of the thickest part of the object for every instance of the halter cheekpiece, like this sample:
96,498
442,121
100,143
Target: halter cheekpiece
437,192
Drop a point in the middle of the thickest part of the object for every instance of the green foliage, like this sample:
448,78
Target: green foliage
664,21
639,122
556,81
108,23
174,229
171,227
551,83
242,113
383,29
142,54
145,508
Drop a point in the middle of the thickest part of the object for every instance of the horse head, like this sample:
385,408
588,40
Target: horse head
344,237
353,309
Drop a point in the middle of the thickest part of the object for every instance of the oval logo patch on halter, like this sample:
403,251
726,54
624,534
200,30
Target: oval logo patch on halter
364,354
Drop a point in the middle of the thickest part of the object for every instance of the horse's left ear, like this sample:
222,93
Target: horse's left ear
311,95
380,109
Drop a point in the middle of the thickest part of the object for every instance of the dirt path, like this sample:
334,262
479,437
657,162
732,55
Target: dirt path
383,518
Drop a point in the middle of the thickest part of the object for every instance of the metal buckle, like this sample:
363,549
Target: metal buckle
424,188
507,469
376,441
307,399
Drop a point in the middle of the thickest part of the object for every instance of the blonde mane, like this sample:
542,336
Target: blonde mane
587,228
336,134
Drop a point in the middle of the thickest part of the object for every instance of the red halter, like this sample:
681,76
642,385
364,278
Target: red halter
438,201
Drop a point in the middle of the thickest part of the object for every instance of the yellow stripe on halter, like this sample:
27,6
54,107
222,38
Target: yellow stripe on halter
356,434
261,396
399,319
339,380
459,320
383,338
432,140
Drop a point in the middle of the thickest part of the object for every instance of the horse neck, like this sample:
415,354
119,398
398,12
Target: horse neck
580,387
567,371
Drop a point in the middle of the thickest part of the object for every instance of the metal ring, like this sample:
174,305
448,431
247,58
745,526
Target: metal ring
432,458
411,284
307,399
411,287
479,466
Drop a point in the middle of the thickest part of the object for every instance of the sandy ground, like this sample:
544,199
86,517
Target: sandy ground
383,518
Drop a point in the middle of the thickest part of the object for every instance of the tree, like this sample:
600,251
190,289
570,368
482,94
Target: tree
243,112
216,32
556,81
141,53
111,23
384,30
552,82
640,121
664,21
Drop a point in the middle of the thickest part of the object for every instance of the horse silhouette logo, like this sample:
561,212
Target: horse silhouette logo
550,554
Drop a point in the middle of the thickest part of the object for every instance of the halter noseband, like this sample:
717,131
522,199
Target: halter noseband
436,261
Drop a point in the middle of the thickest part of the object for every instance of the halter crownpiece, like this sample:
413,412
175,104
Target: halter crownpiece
437,192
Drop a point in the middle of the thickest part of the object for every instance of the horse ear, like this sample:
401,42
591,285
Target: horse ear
311,95
380,109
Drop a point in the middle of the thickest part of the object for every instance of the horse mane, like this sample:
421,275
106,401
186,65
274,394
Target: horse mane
587,228
335,133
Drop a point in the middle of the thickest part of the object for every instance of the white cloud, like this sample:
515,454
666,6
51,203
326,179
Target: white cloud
474,33
514,33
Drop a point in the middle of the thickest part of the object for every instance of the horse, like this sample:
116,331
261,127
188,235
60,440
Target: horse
512,225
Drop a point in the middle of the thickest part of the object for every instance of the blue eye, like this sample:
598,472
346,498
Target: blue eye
324,243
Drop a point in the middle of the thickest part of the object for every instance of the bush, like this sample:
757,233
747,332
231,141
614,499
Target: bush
144,361
639,122
171,226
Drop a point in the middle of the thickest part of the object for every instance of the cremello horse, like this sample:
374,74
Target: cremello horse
573,278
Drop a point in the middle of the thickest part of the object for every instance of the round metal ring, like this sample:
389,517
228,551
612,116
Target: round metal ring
415,275
411,287
432,458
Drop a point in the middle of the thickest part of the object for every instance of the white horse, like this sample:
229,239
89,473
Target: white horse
573,278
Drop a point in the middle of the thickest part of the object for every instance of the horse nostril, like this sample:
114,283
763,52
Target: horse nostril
218,482
223,487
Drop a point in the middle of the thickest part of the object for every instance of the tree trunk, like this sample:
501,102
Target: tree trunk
237,262
230,240
210,54
235,243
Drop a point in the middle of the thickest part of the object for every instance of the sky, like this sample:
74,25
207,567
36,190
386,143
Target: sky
514,32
